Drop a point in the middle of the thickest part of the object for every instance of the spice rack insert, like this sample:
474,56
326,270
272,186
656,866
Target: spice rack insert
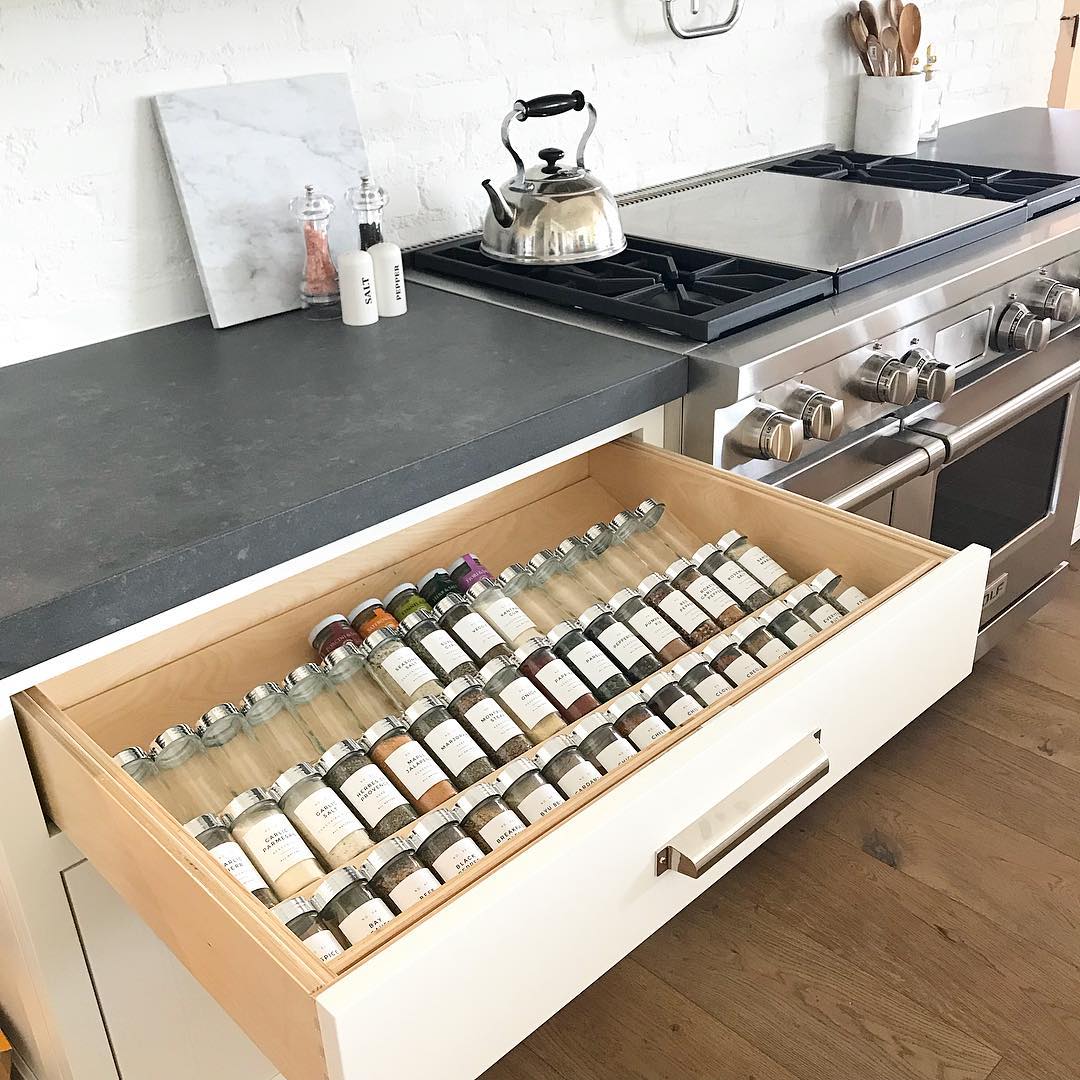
72,724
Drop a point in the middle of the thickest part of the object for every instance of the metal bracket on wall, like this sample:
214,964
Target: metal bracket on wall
688,33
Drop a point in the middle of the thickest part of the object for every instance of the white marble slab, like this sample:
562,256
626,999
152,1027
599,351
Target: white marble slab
238,154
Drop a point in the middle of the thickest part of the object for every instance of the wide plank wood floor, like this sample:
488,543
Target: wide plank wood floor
920,921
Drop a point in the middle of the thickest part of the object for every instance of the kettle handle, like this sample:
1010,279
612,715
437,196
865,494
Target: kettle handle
546,105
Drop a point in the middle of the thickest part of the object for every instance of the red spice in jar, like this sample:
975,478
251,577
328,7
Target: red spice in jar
331,633
554,679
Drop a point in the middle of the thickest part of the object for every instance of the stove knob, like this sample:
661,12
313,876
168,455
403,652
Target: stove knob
937,381
770,434
1021,331
1057,301
885,378
822,416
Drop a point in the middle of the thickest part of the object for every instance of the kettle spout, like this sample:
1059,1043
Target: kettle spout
503,215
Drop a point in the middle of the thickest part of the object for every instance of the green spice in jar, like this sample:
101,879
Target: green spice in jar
486,818
601,743
346,903
399,671
524,789
442,845
470,630
808,605
564,765
429,722
756,562
486,721
409,766
403,600
396,875
845,598
530,709
436,584
635,721
362,784
300,916
436,647
213,834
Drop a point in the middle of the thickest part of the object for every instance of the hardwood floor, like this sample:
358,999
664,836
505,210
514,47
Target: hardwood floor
921,920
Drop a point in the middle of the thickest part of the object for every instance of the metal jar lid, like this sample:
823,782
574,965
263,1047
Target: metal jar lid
290,778
397,590
301,674
514,571
541,557
457,564
333,883
677,567
714,647
226,710
198,825
651,687
682,667
473,797
384,853
381,637
729,538
371,601
415,618
741,631
623,703
523,652
584,728
422,706
170,735
513,772
261,693
560,630
421,582
426,827
130,754
244,802
599,537
222,720
651,510
623,517
824,579
649,583
494,667
321,625
797,595
550,750
594,612
448,603
293,908
457,687
349,650
770,611
478,588
623,596
336,752
388,725
703,553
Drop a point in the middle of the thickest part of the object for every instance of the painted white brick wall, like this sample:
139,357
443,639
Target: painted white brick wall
94,245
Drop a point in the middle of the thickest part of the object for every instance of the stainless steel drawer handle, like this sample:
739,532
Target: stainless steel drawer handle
702,845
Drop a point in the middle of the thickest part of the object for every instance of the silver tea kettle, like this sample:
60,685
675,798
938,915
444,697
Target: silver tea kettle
551,214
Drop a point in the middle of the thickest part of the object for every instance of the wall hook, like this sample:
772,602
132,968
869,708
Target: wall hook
688,33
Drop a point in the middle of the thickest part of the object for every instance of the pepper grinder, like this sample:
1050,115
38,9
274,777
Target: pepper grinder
368,201
319,295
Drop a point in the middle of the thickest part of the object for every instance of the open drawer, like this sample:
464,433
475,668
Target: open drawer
455,982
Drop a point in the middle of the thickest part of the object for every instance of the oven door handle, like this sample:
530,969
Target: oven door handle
927,453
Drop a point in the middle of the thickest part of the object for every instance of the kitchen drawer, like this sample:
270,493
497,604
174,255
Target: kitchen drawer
450,986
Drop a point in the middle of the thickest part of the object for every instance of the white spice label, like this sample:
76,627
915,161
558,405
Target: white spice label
453,746
800,632
624,645
656,630
709,595
539,802
274,844
366,919
578,778
648,731
526,702
492,724
851,598
325,818
712,688
444,649
824,616
742,668
614,754
682,610
507,618
772,651
736,580
765,568
501,827
479,638
594,666
413,766
372,794
413,889
233,860
407,670
457,858
323,944
563,685
681,710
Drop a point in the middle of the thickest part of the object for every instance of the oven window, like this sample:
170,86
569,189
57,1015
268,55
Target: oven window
993,494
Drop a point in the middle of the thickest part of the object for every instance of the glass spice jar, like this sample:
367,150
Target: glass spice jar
747,591
570,696
272,723
808,605
598,740
668,699
486,818
569,644
557,575
470,630
350,675
320,815
754,638
725,657
467,570
524,789
653,628
620,642
436,584
369,616
198,785
396,875
403,600
436,647
408,765
318,706
529,708
563,764
756,562
655,516
138,765
346,769
299,915
271,842
486,721
212,833
698,679
695,626
240,759
544,609
512,624
398,670
845,598
574,558
429,722
442,845
327,634
345,903
783,623
635,721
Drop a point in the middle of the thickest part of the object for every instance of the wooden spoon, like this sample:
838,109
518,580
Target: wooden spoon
910,34
892,12
890,45
857,30
866,13
873,51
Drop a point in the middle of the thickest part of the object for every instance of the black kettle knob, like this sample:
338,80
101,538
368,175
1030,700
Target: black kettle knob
551,155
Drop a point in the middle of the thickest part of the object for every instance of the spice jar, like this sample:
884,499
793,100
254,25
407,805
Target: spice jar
808,605
350,675
698,679
747,591
346,903
524,789
240,759
657,518
752,637
564,765
272,723
620,642
577,561
441,844
197,784
300,916
271,842
486,818
598,740
212,833
429,722
327,825
327,634
403,600
436,647
396,875
571,591
653,628
845,598
570,696
726,658
346,769
756,563
668,699
467,570
470,630
582,656
137,764
318,706
512,624
635,721
540,605
695,626
398,670
529,708
369,616
783,623
486,721
408,765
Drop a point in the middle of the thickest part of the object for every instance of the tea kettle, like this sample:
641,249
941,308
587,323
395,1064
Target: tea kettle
551,213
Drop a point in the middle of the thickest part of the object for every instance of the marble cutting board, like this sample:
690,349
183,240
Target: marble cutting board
238,154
